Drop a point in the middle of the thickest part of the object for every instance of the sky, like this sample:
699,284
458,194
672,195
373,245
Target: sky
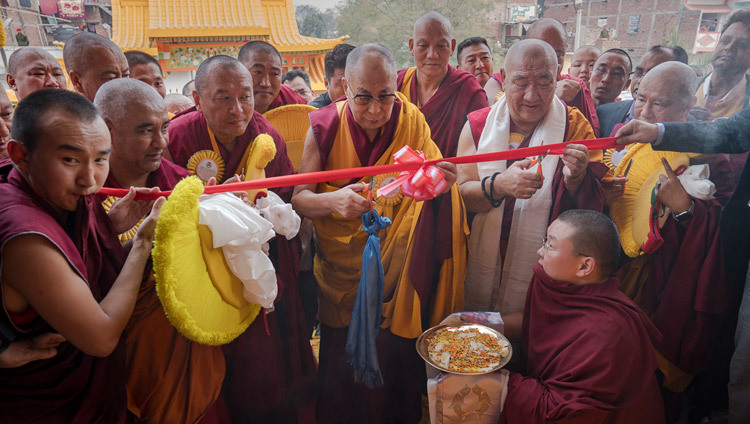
320,4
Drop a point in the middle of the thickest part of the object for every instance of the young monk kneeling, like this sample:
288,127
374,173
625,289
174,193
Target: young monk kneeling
588,348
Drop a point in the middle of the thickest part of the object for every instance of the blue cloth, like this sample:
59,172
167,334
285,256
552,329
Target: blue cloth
361,352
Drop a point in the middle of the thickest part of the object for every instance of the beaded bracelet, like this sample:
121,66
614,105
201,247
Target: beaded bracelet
488,195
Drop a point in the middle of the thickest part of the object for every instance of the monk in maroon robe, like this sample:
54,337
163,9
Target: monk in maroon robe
587,346
682,286
445,95
572,180
264,63
423,272
72,276
170,379
270,372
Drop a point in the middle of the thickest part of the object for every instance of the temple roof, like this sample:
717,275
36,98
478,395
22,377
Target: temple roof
136,23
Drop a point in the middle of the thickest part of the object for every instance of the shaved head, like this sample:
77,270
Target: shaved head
92,60
667,93
541,27
114,98
23,54
252,47
33,68
220,61
363,57
433,19
526,50
552,32
177,102
77,48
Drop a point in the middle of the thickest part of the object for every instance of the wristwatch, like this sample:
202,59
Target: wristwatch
684,215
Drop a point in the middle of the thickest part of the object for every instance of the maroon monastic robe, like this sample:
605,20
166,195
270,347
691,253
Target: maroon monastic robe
71,387
589,357
583,100
286,96
458,95
269,378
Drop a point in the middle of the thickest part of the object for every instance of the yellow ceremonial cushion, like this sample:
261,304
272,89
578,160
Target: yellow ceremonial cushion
201,297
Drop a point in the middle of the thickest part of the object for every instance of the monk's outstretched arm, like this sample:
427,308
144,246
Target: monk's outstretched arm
309,204
36,273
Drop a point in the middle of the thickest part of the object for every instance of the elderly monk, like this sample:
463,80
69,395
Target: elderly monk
682,286
264,63
64,270
335,64
611,76
270,378
443,94
92,60
176,103
587,347
423,251
569,89
144,67
6,120
582,63
475,57
169,378
31,69
514,200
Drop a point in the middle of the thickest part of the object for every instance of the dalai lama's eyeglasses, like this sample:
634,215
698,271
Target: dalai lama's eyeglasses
547,247
366,99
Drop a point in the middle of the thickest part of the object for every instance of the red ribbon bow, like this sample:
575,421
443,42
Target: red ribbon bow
424,183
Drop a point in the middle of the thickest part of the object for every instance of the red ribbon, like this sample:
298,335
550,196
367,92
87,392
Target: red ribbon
412,167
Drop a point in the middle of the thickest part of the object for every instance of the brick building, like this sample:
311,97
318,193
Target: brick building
633,25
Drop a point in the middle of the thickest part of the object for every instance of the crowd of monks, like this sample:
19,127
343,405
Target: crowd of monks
600,336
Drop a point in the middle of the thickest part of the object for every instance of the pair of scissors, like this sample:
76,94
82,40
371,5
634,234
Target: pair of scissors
539,160
368,188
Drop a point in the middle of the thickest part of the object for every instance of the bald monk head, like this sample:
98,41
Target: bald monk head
224,94
432,45
33,68
177,102
264,63
370,85
92,60
60,145
137,119
529,78
667,93
6,113
656,55
144,67
552,32
582,63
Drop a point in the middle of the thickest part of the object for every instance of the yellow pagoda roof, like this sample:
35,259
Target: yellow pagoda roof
136,23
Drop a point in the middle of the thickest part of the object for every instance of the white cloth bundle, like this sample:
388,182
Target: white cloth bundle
696,183
241,232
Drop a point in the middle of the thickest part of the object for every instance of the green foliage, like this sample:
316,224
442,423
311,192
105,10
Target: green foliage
312,22
390,22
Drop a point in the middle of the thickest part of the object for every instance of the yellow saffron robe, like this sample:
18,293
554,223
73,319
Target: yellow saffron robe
341,241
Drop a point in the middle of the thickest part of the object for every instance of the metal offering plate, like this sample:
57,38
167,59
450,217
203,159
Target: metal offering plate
469,349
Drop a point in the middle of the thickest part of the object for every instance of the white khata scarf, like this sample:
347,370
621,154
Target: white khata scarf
499,284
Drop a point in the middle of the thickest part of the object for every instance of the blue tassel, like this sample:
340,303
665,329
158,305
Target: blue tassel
361,352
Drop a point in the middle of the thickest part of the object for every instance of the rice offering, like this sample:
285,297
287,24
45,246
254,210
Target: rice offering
467,350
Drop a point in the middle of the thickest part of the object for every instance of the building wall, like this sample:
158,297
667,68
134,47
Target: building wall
29,22
657,20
